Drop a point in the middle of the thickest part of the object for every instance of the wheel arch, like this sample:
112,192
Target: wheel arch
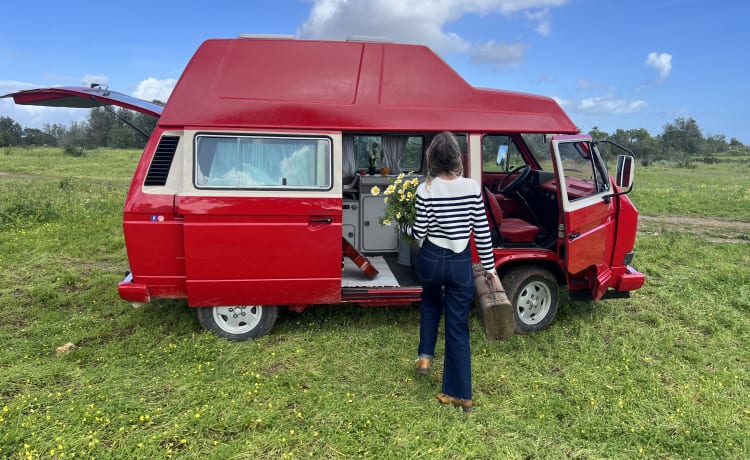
548,265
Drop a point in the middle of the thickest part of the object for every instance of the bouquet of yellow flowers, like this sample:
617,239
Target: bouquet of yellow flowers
400,200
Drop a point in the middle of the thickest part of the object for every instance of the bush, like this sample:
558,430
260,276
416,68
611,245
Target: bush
74,151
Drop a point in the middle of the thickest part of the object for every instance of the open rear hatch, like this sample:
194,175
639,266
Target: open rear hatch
84,97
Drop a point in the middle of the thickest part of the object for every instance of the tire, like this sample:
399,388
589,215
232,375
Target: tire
534,295
238,322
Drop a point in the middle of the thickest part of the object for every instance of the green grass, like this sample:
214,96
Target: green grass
664,374
713,190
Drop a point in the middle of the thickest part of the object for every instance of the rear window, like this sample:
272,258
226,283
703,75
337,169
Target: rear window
249,162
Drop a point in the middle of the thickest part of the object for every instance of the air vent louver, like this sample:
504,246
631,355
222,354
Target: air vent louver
159,169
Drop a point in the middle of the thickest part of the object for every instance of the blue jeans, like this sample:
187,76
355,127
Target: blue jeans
447,285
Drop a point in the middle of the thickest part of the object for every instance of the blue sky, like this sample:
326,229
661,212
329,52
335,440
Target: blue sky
611,64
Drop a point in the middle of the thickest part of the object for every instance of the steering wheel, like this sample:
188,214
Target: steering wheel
523,172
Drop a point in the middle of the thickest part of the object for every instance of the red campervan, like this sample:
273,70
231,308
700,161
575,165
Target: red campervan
254,185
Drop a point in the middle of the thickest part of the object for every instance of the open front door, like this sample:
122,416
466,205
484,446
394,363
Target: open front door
588,214
262,221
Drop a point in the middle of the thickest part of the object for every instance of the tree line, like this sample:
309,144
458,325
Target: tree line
104,127
681,142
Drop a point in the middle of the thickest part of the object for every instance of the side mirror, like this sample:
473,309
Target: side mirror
502,153
625,172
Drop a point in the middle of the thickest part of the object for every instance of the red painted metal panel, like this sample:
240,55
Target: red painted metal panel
246,250
357,86
327,74
265,291
595,226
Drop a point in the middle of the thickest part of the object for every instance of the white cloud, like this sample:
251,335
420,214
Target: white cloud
154,89
662,62
32,116
424,22
564,103
494,53
592,85
608,105
542,17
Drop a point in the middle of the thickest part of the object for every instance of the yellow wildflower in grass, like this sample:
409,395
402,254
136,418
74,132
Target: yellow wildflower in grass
375,190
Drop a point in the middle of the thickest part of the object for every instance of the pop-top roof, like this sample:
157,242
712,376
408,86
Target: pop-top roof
298,84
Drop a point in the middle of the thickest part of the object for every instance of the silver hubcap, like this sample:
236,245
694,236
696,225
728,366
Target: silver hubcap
238,320
533,302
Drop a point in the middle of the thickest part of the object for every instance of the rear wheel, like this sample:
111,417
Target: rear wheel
238,322
533,292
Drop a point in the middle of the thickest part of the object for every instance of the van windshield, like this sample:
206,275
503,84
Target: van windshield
538,145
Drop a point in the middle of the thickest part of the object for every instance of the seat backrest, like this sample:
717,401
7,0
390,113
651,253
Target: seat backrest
492,208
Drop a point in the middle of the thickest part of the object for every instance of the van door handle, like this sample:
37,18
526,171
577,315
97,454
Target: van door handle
325,220
573,236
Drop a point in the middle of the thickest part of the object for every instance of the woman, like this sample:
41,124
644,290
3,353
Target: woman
449,209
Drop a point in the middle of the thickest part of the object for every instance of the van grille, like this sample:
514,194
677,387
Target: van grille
159,169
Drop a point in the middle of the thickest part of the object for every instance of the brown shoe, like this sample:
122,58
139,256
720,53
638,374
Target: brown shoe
464,404
423,366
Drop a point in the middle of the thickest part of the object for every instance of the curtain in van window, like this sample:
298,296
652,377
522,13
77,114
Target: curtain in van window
265,162
275,162
393,149
350,160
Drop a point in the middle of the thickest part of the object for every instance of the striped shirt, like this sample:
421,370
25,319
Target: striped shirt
448,210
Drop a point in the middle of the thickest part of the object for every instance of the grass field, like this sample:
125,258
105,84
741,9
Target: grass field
664,374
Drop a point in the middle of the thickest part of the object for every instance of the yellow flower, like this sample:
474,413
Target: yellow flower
375,190
402,210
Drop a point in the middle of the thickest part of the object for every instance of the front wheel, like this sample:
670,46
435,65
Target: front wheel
533,292
238,322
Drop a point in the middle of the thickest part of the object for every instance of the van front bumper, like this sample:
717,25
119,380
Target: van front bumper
631,280
133,292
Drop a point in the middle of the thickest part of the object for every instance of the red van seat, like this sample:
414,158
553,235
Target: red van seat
512,230
518,230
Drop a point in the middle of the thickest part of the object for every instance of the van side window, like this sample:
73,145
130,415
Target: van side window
262,162
399,153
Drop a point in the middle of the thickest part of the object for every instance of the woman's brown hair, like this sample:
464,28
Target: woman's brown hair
444,156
